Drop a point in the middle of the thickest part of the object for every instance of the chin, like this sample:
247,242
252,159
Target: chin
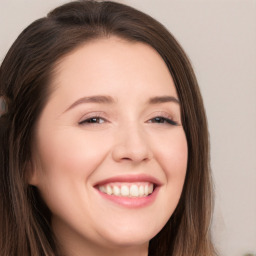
129,236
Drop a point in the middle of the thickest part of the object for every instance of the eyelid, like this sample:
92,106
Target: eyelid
103,116
93,115
164,115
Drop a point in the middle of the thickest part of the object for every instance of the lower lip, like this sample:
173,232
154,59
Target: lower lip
132,202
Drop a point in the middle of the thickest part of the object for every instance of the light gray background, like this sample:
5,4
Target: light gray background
220,39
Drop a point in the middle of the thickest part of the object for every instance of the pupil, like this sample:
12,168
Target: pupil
93,120
159,119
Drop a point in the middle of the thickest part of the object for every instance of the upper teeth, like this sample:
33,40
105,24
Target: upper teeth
127,189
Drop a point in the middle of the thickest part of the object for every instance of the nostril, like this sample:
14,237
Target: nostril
131,147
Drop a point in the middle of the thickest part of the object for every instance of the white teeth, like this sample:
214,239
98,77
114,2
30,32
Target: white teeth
150,188
134,190
102,189
109,190
146,190
125,190
140,189
116,190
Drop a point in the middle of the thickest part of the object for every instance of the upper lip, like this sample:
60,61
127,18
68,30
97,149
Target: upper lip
130,178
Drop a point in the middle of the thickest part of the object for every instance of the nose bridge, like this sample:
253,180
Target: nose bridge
131,143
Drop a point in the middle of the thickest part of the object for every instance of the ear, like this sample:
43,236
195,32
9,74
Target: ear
32,174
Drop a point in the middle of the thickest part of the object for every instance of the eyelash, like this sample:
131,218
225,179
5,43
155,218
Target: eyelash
158,120
163,120
89,121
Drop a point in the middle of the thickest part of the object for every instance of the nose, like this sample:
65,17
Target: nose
132,145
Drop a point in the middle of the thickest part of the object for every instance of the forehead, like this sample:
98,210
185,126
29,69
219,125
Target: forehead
109,64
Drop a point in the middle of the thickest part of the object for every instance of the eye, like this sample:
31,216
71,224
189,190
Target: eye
93,120
162,120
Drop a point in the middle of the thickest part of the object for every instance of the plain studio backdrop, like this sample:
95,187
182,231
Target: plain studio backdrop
219,36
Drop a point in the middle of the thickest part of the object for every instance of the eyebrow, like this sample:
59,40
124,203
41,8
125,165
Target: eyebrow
102,99
163,99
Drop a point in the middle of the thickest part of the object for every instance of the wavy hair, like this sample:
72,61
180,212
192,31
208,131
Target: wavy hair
25,75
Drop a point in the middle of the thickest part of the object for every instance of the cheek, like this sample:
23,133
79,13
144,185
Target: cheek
70,153
66,160
172,155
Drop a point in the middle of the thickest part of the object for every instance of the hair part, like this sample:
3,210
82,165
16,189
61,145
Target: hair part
25,75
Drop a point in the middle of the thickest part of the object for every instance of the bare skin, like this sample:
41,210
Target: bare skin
112,122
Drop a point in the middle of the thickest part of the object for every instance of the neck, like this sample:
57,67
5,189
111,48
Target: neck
93,250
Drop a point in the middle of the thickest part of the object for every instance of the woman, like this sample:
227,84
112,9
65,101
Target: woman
104,143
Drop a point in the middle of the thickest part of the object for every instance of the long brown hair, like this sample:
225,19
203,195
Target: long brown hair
25,75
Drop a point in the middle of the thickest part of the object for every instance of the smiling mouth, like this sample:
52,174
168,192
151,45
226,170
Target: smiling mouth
130,191
127,189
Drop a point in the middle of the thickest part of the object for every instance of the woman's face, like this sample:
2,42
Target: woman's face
109,134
